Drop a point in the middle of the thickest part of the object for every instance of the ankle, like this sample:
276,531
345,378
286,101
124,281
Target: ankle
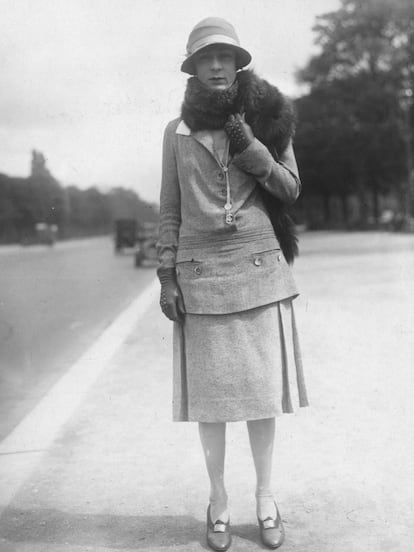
219,507
218,496
265,506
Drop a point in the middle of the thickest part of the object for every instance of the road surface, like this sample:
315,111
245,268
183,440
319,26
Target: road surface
120,475
54,302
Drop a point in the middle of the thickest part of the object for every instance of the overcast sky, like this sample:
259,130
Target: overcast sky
92,83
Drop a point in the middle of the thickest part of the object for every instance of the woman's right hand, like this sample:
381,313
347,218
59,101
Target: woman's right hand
239,133
171,299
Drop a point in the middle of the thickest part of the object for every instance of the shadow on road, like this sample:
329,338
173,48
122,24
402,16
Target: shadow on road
51,526
115,531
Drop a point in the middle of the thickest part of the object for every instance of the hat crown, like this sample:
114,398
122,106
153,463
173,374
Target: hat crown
210,31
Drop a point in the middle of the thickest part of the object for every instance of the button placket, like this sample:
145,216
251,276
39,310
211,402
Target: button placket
224,165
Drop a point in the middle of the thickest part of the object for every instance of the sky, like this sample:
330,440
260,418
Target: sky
92,83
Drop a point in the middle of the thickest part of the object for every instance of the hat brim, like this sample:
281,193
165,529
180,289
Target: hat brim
243,57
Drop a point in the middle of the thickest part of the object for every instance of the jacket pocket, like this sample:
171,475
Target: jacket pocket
266,259
190,269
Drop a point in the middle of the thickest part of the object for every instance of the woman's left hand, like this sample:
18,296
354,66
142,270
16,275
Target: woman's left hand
239,132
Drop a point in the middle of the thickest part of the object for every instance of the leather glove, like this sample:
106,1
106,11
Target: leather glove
239,132
171,299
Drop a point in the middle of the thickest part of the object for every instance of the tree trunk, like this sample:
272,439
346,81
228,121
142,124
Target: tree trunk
345,210
326,209
362,198
408,139
375,202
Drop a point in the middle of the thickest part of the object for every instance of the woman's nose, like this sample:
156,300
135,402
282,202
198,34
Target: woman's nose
215,62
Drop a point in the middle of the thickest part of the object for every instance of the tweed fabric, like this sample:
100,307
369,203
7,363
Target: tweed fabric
237,272
192,208
239,366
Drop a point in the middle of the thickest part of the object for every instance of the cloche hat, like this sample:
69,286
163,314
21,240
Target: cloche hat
213,30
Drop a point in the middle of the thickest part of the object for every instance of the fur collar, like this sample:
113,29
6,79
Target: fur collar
266,109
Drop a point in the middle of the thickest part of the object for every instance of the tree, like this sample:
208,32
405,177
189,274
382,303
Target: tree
88,211
323,146
368,46
45,192
125,203
365,36
41,198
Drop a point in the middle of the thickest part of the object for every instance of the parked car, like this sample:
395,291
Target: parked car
146,245
141,236
125,234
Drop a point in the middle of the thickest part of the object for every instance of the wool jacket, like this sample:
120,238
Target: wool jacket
223,268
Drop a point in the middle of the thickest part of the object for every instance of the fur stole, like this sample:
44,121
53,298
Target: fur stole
272,120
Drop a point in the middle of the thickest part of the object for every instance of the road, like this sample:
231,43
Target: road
120,475
54,302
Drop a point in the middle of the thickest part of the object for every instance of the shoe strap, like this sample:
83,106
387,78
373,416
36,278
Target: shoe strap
219,527
269,523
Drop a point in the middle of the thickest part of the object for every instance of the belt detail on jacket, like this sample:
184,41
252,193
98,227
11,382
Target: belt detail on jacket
214,239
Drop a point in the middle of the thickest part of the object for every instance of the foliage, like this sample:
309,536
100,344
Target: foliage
353,135
41,198
365,36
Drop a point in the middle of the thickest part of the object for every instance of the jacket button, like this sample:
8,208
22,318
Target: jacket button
220,176
197,270
258,261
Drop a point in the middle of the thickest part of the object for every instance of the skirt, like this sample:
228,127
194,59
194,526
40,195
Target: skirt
239,366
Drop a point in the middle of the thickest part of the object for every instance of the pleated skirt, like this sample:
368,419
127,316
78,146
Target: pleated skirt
239,366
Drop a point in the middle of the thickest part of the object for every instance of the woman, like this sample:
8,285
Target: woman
225,282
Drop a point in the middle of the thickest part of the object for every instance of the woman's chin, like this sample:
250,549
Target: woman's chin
218,86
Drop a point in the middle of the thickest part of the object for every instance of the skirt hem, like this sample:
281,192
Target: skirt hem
204,419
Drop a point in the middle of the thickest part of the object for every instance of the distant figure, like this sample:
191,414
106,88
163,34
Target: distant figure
224,250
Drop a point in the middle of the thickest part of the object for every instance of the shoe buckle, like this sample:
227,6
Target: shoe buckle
269,523
219,527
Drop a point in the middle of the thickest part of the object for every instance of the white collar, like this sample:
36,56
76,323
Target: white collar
183,129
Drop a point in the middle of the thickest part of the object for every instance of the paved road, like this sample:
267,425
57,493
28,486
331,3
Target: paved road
121,476
54,302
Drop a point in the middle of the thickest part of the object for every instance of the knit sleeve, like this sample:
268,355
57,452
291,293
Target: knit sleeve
170,202
280,178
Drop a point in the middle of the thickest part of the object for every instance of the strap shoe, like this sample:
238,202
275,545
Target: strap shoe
272,532
218,533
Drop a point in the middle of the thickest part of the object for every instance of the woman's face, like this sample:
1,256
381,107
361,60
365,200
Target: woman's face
216,66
